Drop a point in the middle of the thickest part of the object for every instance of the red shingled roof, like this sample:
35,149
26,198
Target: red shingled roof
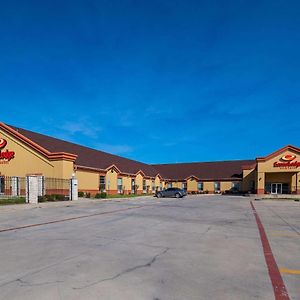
88,157
204,170
91,158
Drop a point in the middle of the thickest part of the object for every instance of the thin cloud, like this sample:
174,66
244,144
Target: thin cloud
114,149
86,129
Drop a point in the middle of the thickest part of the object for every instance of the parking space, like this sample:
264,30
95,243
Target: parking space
198,247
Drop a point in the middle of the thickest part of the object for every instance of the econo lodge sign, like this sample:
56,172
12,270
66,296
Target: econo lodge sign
287,162
5,155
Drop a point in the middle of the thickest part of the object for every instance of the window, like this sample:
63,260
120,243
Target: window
268,187
184,186
200,186
144,186
217,186
120,185
235,185
170,185
102,184
153,186
285,188
133,186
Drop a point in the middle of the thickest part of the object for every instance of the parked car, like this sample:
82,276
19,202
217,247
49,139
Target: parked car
171,192
233,191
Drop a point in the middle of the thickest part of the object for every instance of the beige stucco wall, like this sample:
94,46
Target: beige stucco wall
127,183
63,169
179,185
139,182
226,185
87,181
111,180
175,184
208,186
248,177
192,185
148,184
157,182
28,161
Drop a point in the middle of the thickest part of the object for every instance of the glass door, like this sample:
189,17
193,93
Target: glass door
276,188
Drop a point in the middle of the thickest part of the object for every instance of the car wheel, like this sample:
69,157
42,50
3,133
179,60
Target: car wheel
159,195
177,195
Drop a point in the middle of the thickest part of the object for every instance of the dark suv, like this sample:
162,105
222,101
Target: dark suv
171,192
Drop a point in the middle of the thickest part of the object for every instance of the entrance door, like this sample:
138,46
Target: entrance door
276,188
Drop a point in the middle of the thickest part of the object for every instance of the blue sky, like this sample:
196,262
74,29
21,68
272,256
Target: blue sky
157,81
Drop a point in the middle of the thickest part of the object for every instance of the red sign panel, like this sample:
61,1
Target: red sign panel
5,155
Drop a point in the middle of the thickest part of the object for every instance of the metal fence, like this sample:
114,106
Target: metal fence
15,186
12,186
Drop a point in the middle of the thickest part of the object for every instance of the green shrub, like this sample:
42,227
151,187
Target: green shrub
100,195
80,194
42,199
12,200
51,198
58,197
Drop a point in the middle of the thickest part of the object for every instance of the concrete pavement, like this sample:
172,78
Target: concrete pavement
199,247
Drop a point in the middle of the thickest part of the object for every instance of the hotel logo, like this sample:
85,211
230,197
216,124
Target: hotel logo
3,143
286,162
5,156
288,157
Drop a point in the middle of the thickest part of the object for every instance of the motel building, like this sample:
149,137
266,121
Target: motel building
25,153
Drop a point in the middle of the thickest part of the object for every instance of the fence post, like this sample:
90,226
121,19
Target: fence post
15,186
32,187
73,194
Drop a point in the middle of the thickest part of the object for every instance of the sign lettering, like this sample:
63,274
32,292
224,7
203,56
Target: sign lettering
287,162
5,155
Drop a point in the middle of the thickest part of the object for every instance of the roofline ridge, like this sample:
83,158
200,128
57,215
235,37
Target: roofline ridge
205,162
76,144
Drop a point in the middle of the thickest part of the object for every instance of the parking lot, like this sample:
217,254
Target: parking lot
198,247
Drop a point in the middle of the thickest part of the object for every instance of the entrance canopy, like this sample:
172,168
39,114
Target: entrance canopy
279,172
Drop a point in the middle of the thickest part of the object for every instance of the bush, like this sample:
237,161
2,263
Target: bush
12,200
80,194
58,197
88,195
100,195
53,197
42,199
